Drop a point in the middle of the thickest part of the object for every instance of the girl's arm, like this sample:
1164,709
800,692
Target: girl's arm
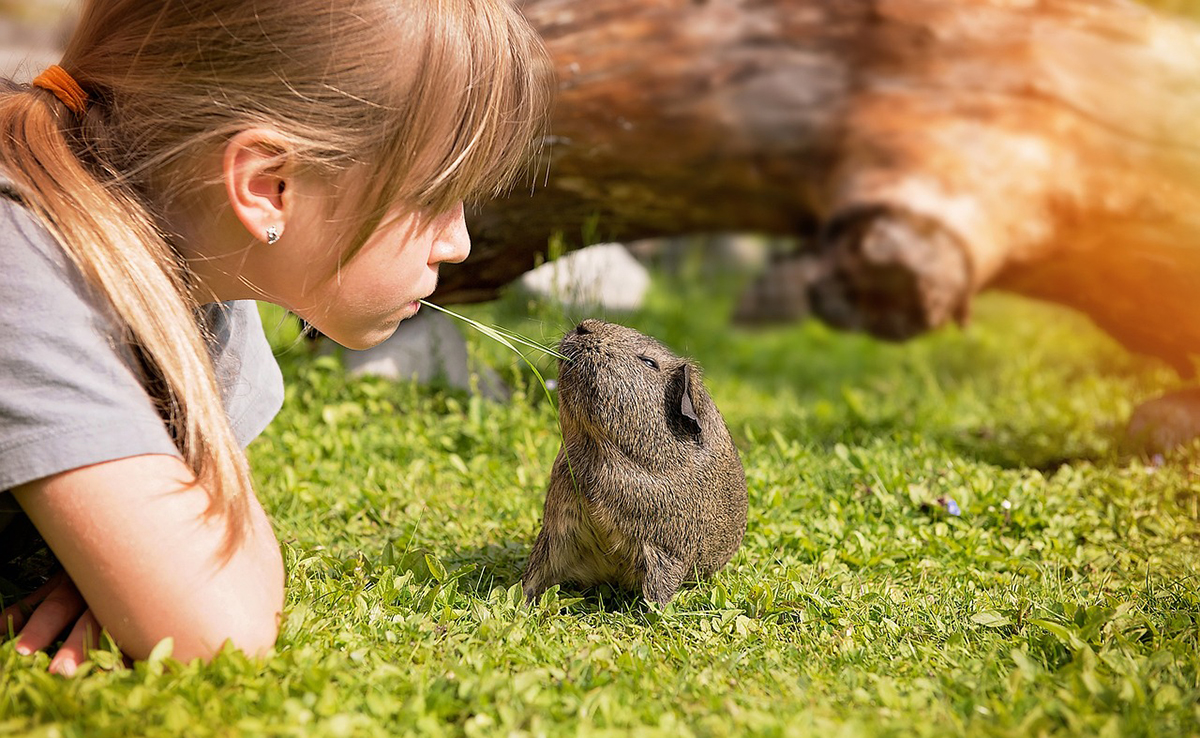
133,536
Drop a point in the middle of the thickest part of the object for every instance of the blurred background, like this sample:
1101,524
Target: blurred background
743,305
32,34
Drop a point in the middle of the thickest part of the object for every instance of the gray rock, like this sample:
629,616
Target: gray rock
707,255
423,349
1165,423
780,293
602,276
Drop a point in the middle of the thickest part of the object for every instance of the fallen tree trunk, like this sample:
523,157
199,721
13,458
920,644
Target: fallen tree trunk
928,148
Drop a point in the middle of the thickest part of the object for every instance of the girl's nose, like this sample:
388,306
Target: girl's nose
453,243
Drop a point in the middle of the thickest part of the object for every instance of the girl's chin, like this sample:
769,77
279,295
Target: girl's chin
368,335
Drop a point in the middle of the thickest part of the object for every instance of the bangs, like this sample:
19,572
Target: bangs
485,100
475,110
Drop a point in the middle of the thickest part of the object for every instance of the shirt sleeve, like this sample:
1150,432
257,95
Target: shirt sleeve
69,393
244,366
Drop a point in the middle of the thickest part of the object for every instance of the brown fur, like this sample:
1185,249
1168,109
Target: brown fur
641,495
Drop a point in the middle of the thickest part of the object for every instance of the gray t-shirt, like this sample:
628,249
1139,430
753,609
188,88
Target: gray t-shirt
69,393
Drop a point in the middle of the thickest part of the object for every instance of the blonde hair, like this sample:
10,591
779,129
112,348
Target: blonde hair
430,102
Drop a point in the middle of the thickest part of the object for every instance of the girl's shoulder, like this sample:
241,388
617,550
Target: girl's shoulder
25,244
71,391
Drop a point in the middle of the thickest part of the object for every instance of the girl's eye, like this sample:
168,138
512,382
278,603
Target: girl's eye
649,362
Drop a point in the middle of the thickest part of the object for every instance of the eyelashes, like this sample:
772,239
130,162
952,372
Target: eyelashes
649,362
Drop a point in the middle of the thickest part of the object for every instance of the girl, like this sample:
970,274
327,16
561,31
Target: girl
187,156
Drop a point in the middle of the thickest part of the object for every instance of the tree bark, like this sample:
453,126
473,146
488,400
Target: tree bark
929,148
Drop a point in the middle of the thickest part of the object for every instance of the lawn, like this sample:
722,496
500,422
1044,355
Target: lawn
1062,600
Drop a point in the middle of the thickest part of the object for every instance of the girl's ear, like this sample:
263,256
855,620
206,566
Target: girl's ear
256,170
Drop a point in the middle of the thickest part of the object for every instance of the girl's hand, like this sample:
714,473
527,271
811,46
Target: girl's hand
150,561
42,616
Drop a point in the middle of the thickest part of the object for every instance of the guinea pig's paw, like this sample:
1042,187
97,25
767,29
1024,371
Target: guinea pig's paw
533,588
539,570
546,600
664,575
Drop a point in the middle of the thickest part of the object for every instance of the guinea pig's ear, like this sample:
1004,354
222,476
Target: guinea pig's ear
687,410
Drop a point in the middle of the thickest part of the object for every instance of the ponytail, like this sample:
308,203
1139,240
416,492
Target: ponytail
110,237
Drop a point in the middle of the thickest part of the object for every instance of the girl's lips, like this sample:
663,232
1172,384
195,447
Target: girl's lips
405,311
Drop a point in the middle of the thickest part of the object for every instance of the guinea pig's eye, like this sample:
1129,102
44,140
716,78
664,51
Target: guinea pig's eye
649,362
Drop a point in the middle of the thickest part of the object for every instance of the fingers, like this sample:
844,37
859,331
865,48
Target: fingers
59,608
73,652
40,617
14,617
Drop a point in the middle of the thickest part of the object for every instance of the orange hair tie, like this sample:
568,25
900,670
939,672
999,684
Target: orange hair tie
60,82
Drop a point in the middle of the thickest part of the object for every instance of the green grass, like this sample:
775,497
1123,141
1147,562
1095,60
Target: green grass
1062,601
1186,8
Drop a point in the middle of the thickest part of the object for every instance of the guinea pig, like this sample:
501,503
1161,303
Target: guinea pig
648,489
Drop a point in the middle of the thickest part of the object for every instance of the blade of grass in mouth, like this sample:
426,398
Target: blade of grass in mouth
505,338
498,334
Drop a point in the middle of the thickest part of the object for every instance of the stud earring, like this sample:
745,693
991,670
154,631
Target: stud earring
272,235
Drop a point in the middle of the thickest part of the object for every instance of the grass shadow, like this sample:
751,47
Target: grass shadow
496,565
501,565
